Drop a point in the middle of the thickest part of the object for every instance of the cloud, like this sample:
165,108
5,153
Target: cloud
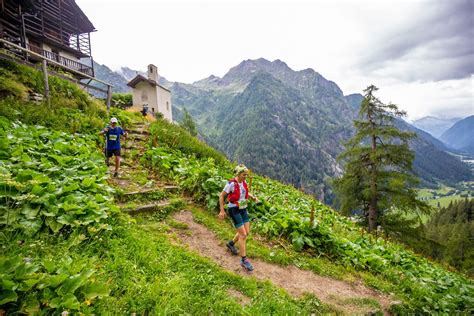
435,44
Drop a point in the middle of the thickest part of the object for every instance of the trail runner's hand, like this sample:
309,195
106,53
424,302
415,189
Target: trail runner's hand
221,214
255,199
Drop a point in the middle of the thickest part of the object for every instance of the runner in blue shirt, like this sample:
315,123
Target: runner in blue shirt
112,147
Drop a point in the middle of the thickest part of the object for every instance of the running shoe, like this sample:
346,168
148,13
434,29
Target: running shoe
246,264
231,247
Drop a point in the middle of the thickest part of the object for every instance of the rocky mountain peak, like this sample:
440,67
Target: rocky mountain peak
243,72
129,73
210,82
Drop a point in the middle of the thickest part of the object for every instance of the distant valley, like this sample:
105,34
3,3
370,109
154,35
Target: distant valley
435,125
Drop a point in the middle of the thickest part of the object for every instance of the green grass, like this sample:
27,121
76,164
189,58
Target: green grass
155,195
176,137
149,274
432,197
281,253
362,302
144,272
444,201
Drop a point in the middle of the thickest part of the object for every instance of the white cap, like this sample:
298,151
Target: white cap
113,120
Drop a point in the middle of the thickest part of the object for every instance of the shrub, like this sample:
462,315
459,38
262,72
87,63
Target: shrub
122,100
174,136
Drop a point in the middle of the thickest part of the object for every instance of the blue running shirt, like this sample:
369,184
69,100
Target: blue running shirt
113,137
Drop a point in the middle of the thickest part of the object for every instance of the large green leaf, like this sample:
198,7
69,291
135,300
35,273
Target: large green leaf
89,181
66,219
25,271
7,284
69,188
28,284
29,212
52,281
7,296
70,301
49,265
94,290
31,226
74,282
298,242
30,305
53,224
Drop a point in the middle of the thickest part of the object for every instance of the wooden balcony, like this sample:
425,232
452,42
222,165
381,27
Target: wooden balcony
66,62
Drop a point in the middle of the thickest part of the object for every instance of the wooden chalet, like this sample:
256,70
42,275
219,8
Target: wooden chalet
55,29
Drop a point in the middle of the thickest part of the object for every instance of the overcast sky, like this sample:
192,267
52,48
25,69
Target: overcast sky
419,53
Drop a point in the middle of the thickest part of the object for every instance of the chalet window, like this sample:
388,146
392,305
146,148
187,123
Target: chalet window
167,106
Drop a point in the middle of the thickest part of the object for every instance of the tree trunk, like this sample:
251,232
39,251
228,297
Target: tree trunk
373,215
373,183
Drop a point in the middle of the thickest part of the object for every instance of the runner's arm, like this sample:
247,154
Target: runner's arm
221,204
105,130
253,197
124,133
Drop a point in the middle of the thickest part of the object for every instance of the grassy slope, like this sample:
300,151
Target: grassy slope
109,265
127,270
422,284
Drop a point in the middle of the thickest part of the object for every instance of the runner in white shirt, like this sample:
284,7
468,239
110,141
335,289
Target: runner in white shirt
237,194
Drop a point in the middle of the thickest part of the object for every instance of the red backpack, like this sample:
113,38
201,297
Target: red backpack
234,196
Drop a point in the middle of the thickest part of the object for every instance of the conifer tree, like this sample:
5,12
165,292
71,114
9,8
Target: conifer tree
378,162
188,123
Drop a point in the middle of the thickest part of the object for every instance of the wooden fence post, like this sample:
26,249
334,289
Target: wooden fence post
45,80
109,97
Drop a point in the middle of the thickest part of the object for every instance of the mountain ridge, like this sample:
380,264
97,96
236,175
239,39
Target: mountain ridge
435,125
461,135
316,121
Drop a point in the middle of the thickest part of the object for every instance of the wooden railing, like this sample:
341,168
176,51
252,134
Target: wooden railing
69,63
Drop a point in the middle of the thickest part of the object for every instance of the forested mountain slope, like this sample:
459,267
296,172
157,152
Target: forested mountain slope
452,227
284,120
461,135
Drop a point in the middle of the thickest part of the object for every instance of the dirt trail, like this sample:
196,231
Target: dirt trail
295,281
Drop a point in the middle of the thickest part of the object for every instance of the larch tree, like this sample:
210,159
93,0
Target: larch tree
377,174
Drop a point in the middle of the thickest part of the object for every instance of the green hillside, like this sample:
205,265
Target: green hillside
70,242
292,125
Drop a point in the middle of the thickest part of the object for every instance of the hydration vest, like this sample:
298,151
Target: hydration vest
234,196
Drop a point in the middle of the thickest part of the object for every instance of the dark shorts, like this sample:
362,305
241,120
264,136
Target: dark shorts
239,217
113,152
